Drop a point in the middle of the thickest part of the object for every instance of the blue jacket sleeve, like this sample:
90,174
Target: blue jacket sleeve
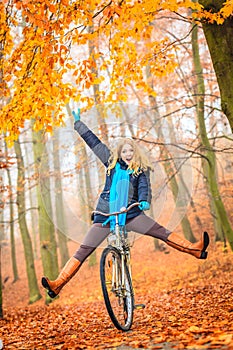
144,187
98,147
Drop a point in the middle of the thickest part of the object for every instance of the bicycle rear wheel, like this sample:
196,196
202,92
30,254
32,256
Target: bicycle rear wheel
119,299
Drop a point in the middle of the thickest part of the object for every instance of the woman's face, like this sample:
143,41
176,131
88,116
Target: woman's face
127,153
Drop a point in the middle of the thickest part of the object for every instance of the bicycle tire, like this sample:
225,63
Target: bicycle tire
119,300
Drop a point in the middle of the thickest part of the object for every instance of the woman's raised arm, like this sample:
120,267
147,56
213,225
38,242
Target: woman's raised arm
97,146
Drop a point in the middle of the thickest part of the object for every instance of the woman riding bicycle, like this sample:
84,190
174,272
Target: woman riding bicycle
127,182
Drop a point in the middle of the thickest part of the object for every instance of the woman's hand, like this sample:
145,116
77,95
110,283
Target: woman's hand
76,115
144,205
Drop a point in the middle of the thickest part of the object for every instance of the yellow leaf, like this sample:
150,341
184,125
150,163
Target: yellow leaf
52,8
194,329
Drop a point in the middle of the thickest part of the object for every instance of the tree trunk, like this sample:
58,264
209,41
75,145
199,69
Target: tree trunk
48,244
1,309
180,204
219,38
60,216
34,293
32,200
93,46
209,161
12,233
89,196
186,190
170,169
34,222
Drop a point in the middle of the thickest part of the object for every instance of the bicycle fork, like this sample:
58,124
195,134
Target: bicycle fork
118,275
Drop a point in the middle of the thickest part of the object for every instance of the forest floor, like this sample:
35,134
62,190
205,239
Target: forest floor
189,305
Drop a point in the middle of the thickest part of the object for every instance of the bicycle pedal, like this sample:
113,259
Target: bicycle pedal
139,306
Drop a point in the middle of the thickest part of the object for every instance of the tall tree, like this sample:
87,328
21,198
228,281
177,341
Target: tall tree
88,194
172,168
209,160
34,293
59,202
30,172
12,226
48,246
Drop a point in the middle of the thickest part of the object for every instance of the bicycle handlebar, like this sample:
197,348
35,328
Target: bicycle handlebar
122,210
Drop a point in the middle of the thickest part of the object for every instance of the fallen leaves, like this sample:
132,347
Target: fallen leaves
188,306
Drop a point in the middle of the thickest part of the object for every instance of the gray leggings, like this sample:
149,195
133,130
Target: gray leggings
141,224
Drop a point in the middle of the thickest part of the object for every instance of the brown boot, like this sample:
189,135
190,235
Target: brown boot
69,270
197,249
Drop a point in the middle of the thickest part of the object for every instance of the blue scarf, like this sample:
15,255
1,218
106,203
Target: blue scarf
119,192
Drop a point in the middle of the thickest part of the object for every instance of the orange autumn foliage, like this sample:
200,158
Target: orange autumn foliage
45,61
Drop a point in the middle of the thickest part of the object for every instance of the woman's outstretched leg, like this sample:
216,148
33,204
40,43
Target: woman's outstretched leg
69,270
92,240
197,249
147,226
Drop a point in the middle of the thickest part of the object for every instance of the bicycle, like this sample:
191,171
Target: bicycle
116,274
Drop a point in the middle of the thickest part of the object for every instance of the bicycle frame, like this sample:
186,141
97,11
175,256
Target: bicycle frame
115,272
118,238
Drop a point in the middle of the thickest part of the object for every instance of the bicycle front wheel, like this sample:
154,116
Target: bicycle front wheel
117,288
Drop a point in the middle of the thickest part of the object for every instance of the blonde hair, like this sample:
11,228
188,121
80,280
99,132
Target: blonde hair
140,161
